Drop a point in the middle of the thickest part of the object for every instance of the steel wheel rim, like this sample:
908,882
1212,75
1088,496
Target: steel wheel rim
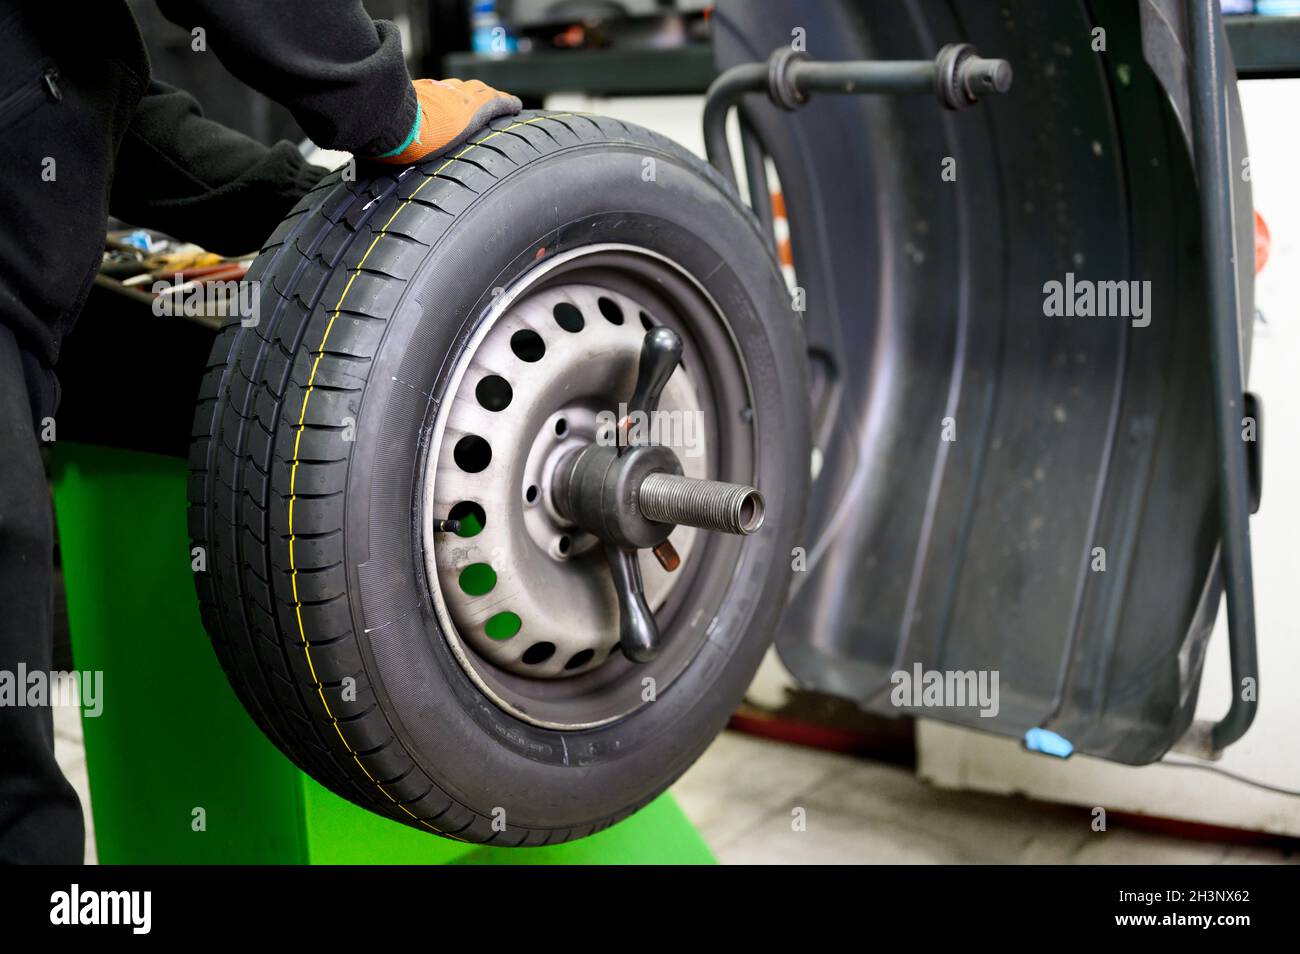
597,691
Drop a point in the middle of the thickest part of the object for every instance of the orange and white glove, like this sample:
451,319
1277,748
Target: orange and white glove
447,113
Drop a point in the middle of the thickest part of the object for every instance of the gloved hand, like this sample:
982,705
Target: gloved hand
449,112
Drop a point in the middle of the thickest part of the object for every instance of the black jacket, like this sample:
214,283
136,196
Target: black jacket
85,133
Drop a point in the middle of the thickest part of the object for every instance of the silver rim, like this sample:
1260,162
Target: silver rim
525,598
528,591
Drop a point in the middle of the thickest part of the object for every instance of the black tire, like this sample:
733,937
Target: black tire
338,341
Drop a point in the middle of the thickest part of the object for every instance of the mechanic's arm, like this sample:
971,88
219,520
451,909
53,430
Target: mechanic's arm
341,74
200,181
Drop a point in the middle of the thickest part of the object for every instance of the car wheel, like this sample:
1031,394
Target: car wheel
429,346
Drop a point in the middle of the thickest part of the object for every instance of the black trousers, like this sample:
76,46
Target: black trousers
40,816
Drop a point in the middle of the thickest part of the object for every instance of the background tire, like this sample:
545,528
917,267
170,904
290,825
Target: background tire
308,455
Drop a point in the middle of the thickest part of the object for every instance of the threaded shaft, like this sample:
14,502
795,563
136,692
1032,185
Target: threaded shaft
707,504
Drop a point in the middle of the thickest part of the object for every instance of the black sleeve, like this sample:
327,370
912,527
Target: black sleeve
339,72
200,181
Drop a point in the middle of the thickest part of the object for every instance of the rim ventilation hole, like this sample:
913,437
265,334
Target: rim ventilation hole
494,393
478,579
538,653
580,659
471,516
531,493
646,323
527,345
568,317
609,308
472,454
502,625
561,427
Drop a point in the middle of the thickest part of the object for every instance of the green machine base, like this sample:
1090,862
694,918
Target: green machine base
179,774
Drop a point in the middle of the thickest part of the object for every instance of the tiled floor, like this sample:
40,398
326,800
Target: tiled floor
744,792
